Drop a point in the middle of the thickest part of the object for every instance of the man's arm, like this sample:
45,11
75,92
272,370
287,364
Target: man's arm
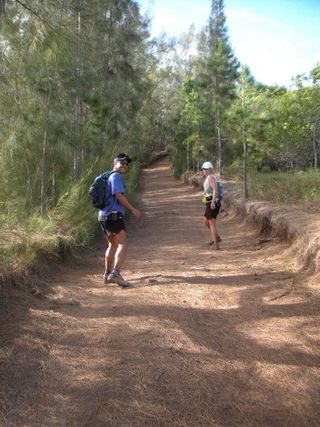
127,205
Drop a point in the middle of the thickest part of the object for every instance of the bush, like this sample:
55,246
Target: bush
72,223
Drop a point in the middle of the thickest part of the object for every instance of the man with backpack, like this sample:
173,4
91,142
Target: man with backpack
111,218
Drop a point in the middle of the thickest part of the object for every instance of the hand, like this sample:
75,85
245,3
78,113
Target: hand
136,213
213,205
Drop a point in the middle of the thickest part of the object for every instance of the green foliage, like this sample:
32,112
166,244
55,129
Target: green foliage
73,89
72,223
206,94
79,84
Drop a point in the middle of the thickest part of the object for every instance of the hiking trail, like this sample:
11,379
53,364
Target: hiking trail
204,338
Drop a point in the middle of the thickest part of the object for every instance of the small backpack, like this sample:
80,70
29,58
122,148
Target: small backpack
220,190
220,194
98,190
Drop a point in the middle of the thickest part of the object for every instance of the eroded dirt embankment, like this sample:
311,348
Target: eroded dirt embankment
203,338
299,225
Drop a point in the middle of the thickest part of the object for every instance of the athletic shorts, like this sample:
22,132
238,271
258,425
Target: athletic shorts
212,213
113,224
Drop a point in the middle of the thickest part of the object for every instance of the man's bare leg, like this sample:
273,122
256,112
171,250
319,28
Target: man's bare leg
119,258
110,253
109,257
122,246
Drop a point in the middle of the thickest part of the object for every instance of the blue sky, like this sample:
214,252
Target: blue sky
277,39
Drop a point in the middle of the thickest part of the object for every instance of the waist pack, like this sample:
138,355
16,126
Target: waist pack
219,197
206,199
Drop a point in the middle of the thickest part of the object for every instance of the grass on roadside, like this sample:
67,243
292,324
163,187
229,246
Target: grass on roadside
71,224
285,187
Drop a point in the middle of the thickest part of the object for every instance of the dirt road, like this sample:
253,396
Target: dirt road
205,338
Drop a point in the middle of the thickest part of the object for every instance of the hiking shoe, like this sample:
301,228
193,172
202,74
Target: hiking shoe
115,277
106,278
219,240
214,245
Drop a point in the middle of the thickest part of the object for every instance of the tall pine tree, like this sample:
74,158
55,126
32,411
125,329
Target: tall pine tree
221,72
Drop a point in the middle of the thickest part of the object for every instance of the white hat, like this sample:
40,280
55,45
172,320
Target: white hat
207,165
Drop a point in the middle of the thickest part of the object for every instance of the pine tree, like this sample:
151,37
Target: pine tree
221,71
315,75
73,80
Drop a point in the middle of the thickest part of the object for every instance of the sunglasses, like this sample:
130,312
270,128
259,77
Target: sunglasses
123,163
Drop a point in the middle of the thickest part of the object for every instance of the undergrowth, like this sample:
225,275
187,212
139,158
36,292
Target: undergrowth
71,224
285,187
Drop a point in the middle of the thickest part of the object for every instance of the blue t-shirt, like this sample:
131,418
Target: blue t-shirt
115,185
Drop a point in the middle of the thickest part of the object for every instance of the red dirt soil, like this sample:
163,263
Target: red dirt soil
203,338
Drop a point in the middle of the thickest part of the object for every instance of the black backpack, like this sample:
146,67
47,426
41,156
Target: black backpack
98,190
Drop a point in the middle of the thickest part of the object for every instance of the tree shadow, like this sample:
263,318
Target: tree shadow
197,363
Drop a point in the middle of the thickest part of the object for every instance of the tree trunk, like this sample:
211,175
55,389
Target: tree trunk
245,146
188,156
218,143
53,189
16,82
17,95
2,7
188,148
43,172
29,181
44,152
78,103
314,143
245,163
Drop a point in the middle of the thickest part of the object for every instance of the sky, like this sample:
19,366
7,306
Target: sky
277,39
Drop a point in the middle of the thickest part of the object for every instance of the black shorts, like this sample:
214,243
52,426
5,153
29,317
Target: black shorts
113,224
212,213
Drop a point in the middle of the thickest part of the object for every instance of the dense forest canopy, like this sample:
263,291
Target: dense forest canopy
83,80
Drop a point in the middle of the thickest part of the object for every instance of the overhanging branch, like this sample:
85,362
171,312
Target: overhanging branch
27,7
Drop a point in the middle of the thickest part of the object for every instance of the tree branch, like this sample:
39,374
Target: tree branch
27,7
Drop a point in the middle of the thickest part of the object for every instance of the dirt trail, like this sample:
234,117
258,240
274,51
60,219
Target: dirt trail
205,338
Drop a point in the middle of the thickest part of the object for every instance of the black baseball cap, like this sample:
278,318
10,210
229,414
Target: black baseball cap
123,156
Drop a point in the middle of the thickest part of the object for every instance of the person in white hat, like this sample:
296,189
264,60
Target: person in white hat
213,204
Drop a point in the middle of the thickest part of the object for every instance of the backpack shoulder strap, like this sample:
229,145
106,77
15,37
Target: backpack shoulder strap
107,174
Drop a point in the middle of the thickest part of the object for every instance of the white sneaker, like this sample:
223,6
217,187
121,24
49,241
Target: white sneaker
115,277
